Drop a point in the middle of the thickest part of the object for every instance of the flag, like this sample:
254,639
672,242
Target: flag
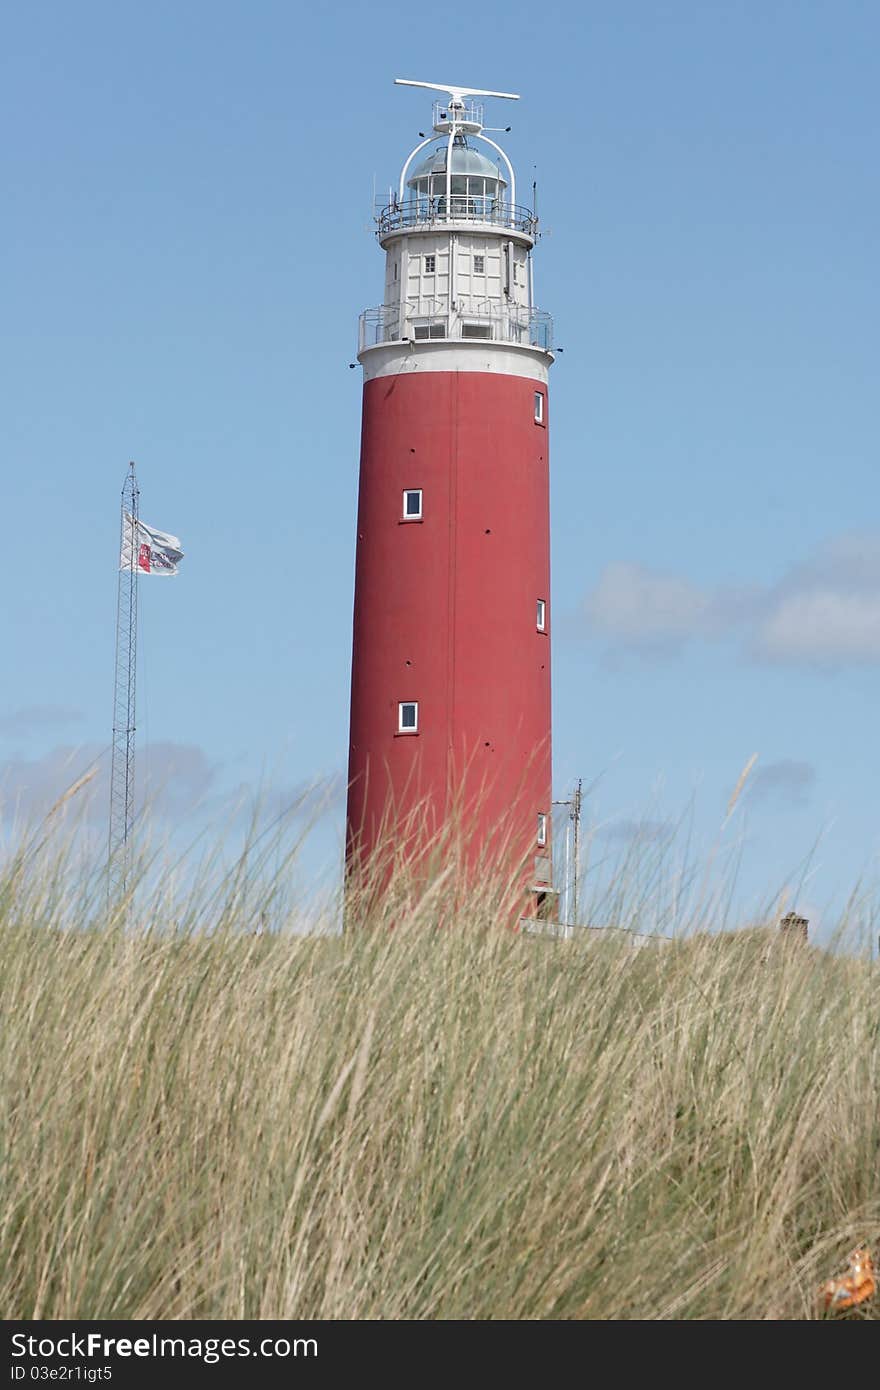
146,550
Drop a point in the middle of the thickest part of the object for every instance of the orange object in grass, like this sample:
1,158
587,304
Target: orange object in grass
852,1288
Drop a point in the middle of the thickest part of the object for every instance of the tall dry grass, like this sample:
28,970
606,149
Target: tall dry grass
211,1121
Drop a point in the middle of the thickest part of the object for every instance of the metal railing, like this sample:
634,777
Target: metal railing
465,113
429,212
504,324
377,325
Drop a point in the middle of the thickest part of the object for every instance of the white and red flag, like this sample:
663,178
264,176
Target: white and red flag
146,550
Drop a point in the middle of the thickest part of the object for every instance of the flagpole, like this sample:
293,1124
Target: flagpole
122,762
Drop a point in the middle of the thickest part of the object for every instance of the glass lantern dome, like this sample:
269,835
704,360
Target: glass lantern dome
476,185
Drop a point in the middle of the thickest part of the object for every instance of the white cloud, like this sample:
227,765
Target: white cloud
821,626
851,560
172,778
633,604
173,782
825,612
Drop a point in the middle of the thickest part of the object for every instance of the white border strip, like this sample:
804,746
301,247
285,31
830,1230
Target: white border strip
480,355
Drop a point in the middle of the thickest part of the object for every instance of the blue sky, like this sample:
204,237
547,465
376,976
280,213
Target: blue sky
186,247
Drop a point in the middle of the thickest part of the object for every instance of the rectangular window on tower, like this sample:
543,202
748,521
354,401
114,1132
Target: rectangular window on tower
541,619
412,504
479,265
542,828
408,717
539,407
430,264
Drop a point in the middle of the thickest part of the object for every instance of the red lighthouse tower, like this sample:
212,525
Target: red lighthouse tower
450,700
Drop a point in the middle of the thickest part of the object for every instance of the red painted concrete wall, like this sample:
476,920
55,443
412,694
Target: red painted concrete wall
445,613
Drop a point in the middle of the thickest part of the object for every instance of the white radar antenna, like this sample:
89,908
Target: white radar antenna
459,116
456,94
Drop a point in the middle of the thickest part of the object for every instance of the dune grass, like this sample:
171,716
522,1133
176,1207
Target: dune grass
425,1122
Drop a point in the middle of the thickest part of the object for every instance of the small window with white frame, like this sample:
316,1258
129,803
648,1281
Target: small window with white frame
479,265
542,828
541,615
539,407
412,504
408,717
430,265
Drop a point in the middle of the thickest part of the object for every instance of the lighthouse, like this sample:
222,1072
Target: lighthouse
450,734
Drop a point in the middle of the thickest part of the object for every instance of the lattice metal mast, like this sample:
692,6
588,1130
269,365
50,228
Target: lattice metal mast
122,764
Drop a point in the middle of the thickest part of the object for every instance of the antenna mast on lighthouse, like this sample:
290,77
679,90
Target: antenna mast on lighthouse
122,764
